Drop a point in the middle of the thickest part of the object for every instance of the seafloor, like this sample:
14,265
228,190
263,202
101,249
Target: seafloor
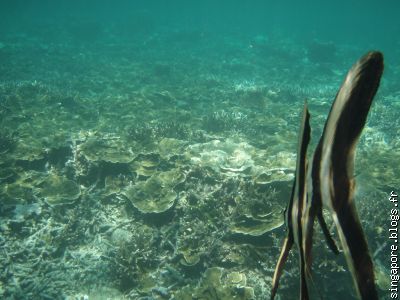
158,165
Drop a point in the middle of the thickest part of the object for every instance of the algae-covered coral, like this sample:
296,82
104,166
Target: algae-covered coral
133,170
156,194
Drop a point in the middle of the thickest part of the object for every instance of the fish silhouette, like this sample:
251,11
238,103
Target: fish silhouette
345,123
293,212
330,182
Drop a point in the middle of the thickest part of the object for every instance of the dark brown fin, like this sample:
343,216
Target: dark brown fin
304,274
299,199
287,245
342,130
313,209
293,214
329,239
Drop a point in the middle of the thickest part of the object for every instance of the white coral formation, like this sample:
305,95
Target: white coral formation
239,159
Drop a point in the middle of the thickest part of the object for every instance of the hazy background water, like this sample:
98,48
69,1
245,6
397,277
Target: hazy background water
362,25
371,24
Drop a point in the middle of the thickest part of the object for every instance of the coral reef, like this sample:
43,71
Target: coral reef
132,172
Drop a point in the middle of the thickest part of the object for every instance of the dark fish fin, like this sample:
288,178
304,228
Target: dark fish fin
299,202
357,255
287,245
294,210
308,231
308,214
303,278
344,125
329,239
313,204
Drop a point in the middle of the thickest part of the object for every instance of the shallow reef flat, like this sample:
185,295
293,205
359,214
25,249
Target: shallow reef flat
130,172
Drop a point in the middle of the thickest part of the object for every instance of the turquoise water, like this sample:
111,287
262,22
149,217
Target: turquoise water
147,148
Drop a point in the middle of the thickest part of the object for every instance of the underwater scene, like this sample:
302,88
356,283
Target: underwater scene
148,148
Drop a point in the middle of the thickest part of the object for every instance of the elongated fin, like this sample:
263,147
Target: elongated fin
344,125
293,214
287,245
313,209
329,239
300,195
